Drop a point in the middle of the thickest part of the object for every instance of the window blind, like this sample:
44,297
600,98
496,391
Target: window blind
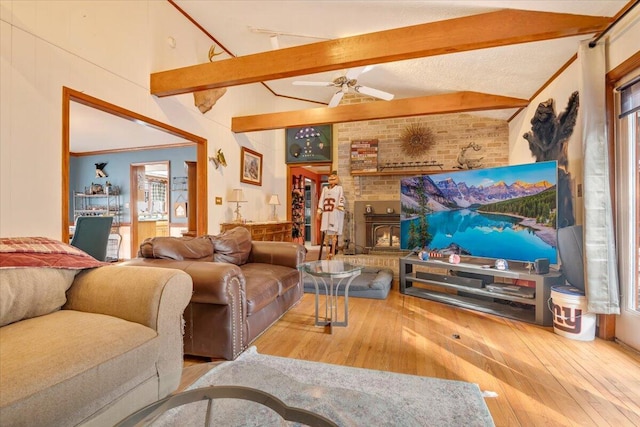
629,97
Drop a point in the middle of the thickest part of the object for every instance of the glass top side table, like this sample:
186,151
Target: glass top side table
331,275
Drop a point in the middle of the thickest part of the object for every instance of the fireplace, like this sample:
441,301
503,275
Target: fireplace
382,231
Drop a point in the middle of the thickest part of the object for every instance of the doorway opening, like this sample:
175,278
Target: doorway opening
305,182
149,201
309,209
113,117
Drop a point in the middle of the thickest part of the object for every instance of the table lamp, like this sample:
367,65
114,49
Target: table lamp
237,197
274,201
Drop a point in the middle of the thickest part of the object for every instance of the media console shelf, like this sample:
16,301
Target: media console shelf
437,281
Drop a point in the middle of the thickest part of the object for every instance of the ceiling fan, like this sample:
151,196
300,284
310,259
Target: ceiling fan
346,82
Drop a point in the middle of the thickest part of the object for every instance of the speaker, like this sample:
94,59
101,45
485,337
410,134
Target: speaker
541,265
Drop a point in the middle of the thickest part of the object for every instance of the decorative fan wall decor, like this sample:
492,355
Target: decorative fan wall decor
416,139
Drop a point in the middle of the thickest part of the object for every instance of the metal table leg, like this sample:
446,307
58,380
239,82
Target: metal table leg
331,291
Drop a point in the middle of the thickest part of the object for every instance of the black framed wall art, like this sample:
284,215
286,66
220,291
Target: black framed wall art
309,144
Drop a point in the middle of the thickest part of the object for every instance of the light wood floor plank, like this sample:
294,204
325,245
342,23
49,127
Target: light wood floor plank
541,378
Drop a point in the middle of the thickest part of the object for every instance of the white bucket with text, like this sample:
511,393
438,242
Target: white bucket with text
570,316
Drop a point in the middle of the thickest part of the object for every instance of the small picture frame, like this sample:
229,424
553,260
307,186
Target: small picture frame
309,144
180,209
250,167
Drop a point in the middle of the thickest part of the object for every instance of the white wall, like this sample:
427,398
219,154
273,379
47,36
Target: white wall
622,43
108,50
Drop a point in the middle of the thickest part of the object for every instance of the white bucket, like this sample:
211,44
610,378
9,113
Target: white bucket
570,316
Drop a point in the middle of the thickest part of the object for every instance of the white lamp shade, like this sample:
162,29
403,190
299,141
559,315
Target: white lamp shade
274,200
237,196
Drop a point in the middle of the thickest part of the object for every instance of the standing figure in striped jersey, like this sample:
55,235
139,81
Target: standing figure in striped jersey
331,207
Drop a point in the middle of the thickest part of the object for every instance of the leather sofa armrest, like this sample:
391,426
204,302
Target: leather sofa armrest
277,253
213,282
215,317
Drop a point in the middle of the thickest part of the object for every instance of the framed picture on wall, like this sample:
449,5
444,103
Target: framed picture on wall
250,167
309,144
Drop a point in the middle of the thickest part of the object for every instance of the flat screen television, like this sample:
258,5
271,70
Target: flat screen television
504,212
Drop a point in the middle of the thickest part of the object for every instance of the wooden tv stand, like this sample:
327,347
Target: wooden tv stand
435,280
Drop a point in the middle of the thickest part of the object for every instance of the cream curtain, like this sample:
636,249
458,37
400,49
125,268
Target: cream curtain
601,273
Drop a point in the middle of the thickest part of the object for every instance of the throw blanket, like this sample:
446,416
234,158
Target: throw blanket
16,252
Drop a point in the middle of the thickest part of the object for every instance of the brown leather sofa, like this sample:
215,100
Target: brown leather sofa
241,287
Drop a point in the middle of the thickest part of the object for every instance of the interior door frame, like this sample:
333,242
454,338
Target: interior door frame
69,95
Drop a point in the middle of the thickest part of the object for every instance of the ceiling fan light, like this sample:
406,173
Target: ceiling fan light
339,81
345,83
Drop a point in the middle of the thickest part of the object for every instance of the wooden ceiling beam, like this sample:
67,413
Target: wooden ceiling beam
500,28
437,104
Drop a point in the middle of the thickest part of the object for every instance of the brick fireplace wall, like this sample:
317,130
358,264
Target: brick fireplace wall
452,132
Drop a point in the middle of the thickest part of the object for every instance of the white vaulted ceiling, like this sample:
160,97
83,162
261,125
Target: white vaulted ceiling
246,27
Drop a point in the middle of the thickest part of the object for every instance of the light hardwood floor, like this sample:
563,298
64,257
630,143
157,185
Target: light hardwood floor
541,378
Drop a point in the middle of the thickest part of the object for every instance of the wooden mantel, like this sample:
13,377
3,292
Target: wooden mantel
402,172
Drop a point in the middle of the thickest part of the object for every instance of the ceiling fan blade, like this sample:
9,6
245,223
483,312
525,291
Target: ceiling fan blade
306,83
335,100
374,92
355,72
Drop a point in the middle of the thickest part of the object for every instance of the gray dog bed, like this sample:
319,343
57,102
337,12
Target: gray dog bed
373,282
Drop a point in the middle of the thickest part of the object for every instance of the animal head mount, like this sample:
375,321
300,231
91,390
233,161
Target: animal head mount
100,172
206,99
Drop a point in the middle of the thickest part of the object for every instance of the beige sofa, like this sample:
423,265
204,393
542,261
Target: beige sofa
108,346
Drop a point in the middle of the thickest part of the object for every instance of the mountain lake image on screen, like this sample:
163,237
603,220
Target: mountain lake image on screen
505,212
